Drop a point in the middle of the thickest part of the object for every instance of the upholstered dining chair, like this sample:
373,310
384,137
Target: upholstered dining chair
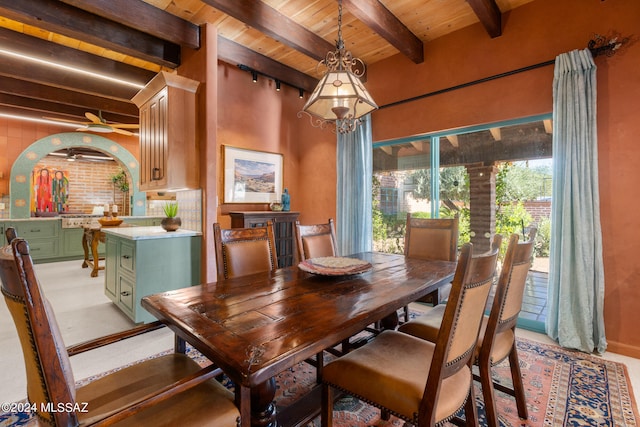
243,251
434,239
317,240
497,340
167,390
416,380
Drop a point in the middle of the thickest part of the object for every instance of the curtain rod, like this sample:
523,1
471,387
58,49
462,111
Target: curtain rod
472,83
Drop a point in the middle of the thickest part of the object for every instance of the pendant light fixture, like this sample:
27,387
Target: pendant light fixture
340,96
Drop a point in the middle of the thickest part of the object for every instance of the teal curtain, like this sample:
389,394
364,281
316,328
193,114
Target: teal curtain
576,273
354,187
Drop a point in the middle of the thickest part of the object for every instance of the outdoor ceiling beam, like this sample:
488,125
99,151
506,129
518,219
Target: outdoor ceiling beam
236,54
489,14
377,17
144,17
78,24
269,21
64,98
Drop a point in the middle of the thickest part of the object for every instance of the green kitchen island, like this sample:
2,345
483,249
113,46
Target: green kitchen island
141,261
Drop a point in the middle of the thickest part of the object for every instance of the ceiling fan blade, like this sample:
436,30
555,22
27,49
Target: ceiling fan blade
124,126
123,132
93,118
55,119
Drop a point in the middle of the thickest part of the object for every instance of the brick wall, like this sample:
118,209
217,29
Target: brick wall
89,183
538,209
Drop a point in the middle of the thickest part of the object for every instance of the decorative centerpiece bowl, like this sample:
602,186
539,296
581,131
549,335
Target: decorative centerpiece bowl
106,221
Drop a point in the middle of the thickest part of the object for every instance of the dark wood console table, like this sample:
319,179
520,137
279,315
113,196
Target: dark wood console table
283,228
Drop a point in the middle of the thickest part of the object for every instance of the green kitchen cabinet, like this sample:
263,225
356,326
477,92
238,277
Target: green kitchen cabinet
43,236
142,261
72,242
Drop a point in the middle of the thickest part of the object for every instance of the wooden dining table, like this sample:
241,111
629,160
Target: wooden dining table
257,326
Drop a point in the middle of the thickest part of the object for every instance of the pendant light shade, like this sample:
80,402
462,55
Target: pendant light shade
340,96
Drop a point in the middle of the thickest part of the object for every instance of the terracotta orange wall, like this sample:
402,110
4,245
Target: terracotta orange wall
535,33
256,116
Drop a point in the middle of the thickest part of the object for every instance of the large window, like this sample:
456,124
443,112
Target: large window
429,176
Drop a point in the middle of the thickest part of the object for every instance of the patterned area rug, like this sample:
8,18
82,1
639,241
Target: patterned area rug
563,388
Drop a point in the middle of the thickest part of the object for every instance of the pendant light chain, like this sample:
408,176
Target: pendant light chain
340,42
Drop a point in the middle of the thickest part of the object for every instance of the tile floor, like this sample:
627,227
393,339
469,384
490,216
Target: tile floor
83,312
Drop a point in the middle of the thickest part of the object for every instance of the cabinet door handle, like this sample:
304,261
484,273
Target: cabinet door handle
126,256
37,230
155,174
125,293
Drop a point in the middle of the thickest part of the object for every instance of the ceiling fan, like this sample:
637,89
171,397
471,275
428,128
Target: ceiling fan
72,154
98,124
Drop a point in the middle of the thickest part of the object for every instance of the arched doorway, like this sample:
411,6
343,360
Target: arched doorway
20,191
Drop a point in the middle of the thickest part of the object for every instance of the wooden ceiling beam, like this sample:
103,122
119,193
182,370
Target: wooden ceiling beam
43,108
489,14
72,22
274,24
58,54
236,54
63,79
144,17
377,17
64,98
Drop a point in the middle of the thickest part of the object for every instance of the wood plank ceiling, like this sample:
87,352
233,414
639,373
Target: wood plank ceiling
134,39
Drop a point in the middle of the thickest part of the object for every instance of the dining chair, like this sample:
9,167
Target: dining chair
433,239
243,251
316,240
10,234
497,340
418,381
167,390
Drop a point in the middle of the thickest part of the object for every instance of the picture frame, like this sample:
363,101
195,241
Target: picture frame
251,176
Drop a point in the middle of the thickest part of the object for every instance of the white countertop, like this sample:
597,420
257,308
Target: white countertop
141,233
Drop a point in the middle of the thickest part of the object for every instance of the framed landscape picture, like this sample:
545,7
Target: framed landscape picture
251,176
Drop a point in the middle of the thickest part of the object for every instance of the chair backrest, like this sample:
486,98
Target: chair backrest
460,326
11,234
431,238
243,251
507,301
49,377
317,240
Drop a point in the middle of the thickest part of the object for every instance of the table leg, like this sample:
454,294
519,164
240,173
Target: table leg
96,256
263,408
85,246
390,322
